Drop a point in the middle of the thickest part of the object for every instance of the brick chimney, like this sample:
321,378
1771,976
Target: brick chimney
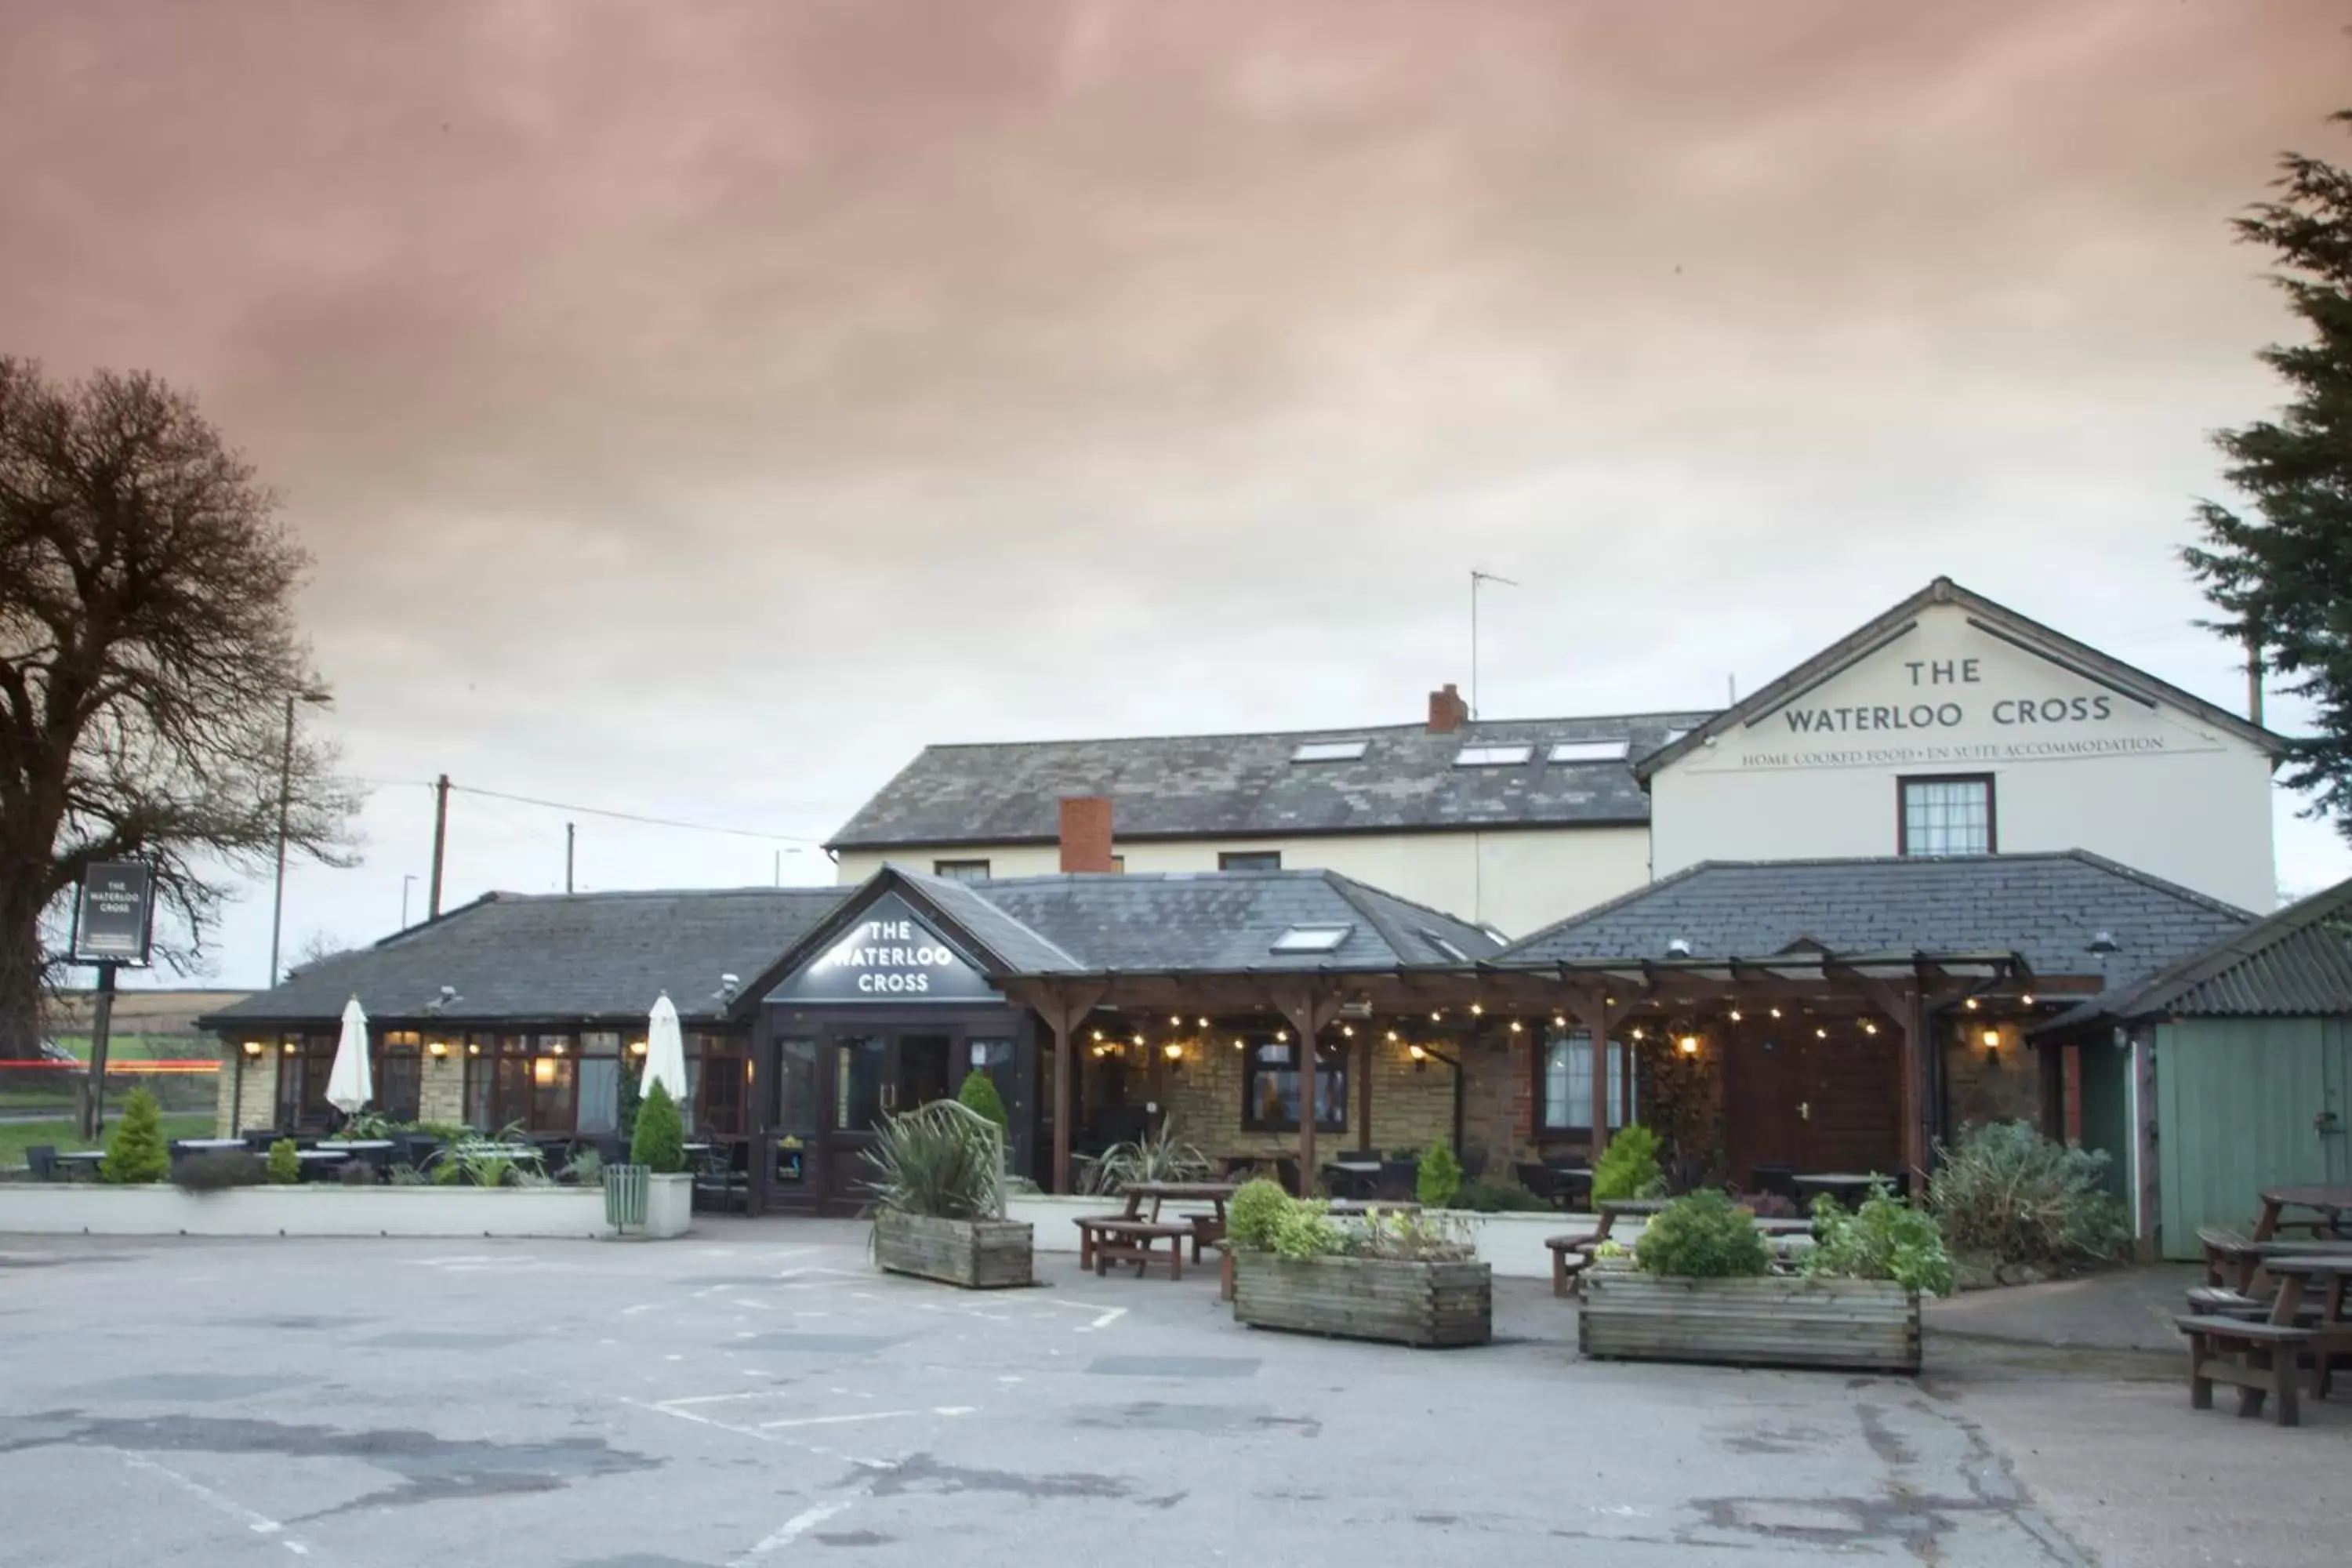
1086,833
1447,711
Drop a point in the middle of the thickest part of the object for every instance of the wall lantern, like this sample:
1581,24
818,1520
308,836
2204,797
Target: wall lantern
1637,1032
474,1047
1514,1026
1990,1040
290,1048
1175,1054
1420,1057
1687,1044
636,1047
1239,1044
253,1047
436,1049
1136,1040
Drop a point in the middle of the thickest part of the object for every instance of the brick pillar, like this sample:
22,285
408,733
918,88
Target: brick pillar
1447,711
1086,833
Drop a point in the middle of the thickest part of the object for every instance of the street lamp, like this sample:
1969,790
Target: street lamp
285,788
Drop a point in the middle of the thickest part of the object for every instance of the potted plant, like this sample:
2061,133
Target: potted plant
1705,1287
1404,1277
939,1200
656,1169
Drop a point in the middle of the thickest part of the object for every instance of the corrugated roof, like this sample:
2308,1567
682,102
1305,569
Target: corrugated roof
514,957
2297,963
2048,909
1188,786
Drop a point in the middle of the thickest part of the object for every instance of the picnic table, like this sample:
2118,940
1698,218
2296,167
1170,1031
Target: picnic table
2329,1204
2261,1357
208,1145
70,1160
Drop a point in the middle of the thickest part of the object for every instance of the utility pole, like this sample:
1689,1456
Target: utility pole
2253,676
1477,577
570,830
440,843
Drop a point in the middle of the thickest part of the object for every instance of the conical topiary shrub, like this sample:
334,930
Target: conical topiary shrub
135,1151
659,1141
979,1095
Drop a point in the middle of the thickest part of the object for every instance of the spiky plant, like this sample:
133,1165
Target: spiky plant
942,1161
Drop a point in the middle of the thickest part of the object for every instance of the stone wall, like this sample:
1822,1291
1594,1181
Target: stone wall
1202,1094
1982,1086
441,1086
247,1089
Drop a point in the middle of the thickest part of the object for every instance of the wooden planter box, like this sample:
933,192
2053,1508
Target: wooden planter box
1864,1325
979,1254
1366,1297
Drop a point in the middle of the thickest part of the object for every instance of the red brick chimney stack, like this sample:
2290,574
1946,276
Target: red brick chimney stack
1086,833
1447,711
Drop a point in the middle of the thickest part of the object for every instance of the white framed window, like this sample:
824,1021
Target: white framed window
1328,751
1249,859
961,870
1493,756
1566,1088
1588,752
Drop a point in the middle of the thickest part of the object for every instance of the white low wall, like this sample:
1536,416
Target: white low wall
57,1208
1510,1243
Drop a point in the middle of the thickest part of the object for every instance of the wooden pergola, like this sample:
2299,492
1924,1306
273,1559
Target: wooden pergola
1599,995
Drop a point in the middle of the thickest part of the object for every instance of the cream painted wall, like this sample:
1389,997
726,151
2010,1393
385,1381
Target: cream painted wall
2080,766
1515,881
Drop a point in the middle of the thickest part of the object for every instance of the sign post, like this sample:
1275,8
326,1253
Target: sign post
113,923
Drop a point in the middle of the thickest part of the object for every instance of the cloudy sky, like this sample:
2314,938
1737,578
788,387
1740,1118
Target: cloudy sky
695,408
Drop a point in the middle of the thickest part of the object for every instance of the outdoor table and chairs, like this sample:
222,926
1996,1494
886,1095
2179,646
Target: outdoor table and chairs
1133,1236
1849,1187
71,1161
2262,1356
206,1145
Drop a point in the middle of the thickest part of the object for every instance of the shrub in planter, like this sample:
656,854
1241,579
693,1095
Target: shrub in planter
1884,1239
216,1170
659,1141
979,1096
285,1166
1253,1214
1440,1176
1629,1166
1158,1156
1700,1235
1491,1194
584,1169
1410,1279
938,1192
2010,1193
135,1151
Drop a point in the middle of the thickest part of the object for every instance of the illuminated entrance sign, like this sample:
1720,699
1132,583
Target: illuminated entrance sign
889,955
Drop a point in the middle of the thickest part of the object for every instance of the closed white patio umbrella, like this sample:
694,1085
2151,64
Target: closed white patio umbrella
665,1052
350,1083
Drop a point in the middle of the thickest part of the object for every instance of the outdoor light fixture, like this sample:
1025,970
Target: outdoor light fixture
1174,1022
1868,1027
253,1047
1392,1037
1775,1012
1990,1040
1476,1011
1559,1020
1240,1044
1687,1044
1514,1026
2027,998
1098,1034
289,1047
436,1048
1137,1040
1417,1052
557,1048
1204,1023
1637,1034
1175,1053
636,1047
1971,1004
1348,1030
1282,1037
1435,1017
474,1048
1735,1015
1821,1034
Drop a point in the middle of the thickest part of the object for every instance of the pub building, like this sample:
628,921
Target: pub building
1816,931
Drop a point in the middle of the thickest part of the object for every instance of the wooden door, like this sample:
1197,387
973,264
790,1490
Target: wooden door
1767,1086
856,1070
1852,1107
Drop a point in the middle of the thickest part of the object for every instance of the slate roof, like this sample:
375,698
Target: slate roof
518,958
2046,908
1996,619
1196,786
2297,963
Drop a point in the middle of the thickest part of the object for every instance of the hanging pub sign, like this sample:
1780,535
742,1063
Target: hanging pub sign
888,955
113,914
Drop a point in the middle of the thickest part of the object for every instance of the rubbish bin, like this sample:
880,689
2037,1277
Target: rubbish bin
624,1196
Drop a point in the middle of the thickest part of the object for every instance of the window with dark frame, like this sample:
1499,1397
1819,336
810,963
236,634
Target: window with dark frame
1249,859
1270,1089
1950,814
961,870
398,1067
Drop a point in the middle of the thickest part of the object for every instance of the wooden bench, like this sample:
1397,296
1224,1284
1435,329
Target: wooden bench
2260,1360
1571,1257
1104,1241
2231,1260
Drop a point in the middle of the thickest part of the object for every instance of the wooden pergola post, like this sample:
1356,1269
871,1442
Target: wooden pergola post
1064,1008
1599,1014
1310,1008
1364,1098
1905,1009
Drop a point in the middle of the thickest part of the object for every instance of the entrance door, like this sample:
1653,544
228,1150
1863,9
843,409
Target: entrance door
1767,1087
1854,1099
873,1075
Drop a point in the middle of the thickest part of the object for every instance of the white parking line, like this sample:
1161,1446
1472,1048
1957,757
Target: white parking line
791,1530
834,1420
260,1524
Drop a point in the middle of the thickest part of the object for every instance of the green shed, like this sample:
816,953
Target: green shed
2243,1051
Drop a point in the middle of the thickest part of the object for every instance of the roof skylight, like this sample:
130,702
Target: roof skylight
1442,947
1312,939
1493,756
1589,752
1328,751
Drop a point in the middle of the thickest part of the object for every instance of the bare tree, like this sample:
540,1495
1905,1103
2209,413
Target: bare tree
147,654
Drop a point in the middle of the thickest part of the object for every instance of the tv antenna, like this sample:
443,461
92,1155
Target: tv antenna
1477,577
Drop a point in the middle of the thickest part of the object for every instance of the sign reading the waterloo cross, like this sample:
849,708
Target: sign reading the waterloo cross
1949,695
113,914
889,955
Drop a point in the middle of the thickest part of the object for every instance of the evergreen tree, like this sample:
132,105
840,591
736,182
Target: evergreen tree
2281,569
979,1095
135,1151
659,1141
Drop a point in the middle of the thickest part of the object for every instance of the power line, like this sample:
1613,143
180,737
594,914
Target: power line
632,816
